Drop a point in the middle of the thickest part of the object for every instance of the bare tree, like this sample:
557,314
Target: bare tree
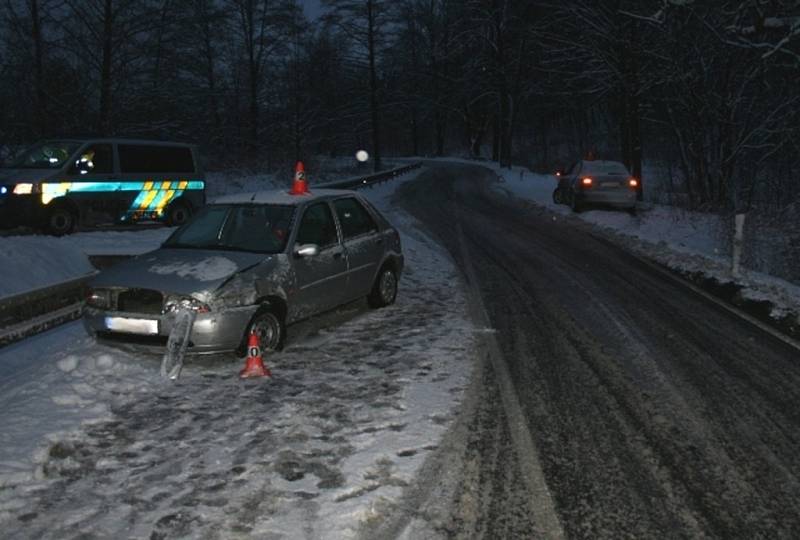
364,22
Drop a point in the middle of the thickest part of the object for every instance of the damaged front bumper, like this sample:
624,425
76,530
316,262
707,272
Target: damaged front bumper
214,332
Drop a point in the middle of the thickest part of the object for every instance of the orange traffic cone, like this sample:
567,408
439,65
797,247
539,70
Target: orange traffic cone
299,186
255,363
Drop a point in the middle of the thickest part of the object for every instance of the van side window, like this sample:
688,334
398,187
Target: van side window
143,158
96,159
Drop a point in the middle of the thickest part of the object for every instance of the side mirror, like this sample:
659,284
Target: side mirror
306,250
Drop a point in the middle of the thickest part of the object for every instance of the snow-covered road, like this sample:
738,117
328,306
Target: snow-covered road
94,443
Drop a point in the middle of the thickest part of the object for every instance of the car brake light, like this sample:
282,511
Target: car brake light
633,182
586,181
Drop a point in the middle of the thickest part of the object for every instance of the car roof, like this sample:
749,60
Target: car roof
601,162
282,197
600,166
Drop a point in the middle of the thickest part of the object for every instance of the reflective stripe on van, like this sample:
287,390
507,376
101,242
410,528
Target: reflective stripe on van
152,199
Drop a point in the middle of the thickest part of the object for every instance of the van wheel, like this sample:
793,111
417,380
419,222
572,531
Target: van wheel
178,214
61,220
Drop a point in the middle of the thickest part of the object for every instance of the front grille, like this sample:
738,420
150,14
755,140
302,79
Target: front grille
144,301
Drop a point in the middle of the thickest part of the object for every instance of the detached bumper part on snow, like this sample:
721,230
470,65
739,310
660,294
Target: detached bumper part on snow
213,332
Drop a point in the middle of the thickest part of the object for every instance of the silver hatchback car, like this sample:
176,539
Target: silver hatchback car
256,261
597,182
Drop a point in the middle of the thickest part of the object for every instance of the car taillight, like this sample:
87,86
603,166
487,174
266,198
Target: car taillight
633,182
586,182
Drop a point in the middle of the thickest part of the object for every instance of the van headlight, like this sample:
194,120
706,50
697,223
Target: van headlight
24,189
99,298
175,302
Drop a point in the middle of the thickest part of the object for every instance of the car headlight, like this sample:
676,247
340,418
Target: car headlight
99,298
174,303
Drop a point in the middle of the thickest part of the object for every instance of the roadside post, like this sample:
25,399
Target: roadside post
738,241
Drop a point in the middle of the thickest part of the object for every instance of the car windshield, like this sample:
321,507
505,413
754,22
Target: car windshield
46,155
604,167
253,228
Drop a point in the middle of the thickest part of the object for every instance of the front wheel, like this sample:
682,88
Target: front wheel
270,328
384,291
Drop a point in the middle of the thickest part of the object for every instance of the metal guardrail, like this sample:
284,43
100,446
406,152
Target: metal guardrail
28,313
25,314
362,181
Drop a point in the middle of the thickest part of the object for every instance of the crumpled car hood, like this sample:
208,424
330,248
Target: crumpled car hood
179,271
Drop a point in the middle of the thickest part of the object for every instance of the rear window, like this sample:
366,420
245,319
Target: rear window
142,158
604,167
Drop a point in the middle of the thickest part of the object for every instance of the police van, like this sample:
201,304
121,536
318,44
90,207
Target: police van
59,185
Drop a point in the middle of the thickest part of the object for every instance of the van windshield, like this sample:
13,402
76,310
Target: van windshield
46,155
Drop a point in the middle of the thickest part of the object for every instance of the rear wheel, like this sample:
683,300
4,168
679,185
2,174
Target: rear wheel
61,220
575,204
384,290
558,198
177,214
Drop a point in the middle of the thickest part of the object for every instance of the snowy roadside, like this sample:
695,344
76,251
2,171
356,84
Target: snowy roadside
685,241
358,401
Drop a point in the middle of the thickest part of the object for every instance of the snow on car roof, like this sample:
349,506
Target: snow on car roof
280,196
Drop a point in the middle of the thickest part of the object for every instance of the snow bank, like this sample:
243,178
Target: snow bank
29,262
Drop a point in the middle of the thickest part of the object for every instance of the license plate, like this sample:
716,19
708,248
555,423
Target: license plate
132,326
610,184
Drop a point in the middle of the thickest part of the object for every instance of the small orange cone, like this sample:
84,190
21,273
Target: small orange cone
299,186
255,363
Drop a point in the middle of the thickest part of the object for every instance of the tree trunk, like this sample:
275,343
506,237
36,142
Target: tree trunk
373,88
211,77
105,73
40,96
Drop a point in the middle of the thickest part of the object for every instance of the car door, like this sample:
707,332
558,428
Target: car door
321,278
363,245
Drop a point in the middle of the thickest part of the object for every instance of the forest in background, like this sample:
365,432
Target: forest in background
704,93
